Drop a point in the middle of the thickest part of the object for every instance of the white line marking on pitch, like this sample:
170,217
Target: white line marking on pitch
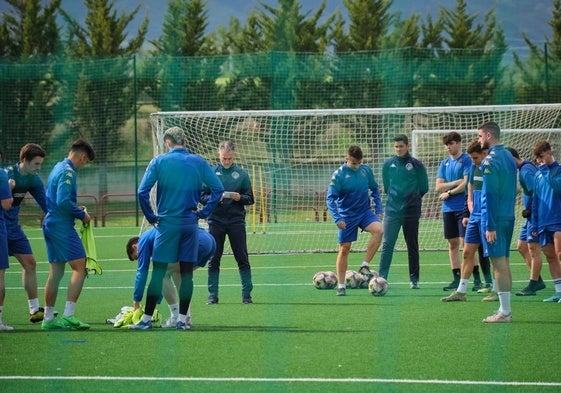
288,380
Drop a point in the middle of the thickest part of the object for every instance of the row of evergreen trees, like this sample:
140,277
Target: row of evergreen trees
86,78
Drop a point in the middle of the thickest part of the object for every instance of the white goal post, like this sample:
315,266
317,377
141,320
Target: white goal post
290,156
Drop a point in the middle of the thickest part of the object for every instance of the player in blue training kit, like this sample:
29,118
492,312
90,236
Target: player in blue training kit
498,197
179,177
474,240
528,246
26,178
228,219
546,214
350,195
62,240
451,183
141,248
6,203
405,183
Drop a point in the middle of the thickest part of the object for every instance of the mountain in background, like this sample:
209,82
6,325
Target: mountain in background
515,16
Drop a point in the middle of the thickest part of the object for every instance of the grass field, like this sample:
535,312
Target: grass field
294,338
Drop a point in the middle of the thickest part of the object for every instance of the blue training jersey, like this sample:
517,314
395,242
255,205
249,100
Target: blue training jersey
61,193
207,247
349,193
527,181
451,169
24,184
475,178
5,193
182,175
498,195
546,199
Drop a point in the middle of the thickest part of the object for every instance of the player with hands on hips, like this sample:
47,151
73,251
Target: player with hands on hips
176,218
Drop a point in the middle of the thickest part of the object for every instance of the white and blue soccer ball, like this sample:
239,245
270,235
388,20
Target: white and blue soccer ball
325,280
364,282
353,279
368,277
378,286
331,279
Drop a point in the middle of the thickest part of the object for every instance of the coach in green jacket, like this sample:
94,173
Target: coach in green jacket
228,220
405,182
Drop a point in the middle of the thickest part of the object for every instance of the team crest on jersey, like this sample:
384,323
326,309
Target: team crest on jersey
235,175
409,166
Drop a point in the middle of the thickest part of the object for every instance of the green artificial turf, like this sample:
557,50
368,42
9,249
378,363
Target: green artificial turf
294,338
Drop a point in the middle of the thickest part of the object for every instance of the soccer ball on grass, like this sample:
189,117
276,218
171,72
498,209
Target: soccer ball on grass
353,279
325,280
378,286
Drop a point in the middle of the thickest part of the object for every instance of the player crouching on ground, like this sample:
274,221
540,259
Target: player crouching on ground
140,248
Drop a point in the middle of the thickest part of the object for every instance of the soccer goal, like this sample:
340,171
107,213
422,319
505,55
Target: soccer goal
290,156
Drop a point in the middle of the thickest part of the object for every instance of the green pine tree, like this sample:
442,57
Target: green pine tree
29,37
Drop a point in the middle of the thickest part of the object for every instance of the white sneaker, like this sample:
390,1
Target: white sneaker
170,323
188,321
498,317
4,327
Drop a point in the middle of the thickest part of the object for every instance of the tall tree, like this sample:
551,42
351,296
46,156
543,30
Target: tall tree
184,28
465,68
103,91
29,37
358,69
370,21
241,85
400,62
539,74
286,29
182,74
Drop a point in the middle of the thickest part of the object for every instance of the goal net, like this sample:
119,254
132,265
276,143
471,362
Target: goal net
290,156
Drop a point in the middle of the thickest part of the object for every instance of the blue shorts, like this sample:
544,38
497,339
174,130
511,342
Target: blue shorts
207,247
501,246
474,234
525,235
546,237
453,227
62,241
350,233
18,242
176,243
